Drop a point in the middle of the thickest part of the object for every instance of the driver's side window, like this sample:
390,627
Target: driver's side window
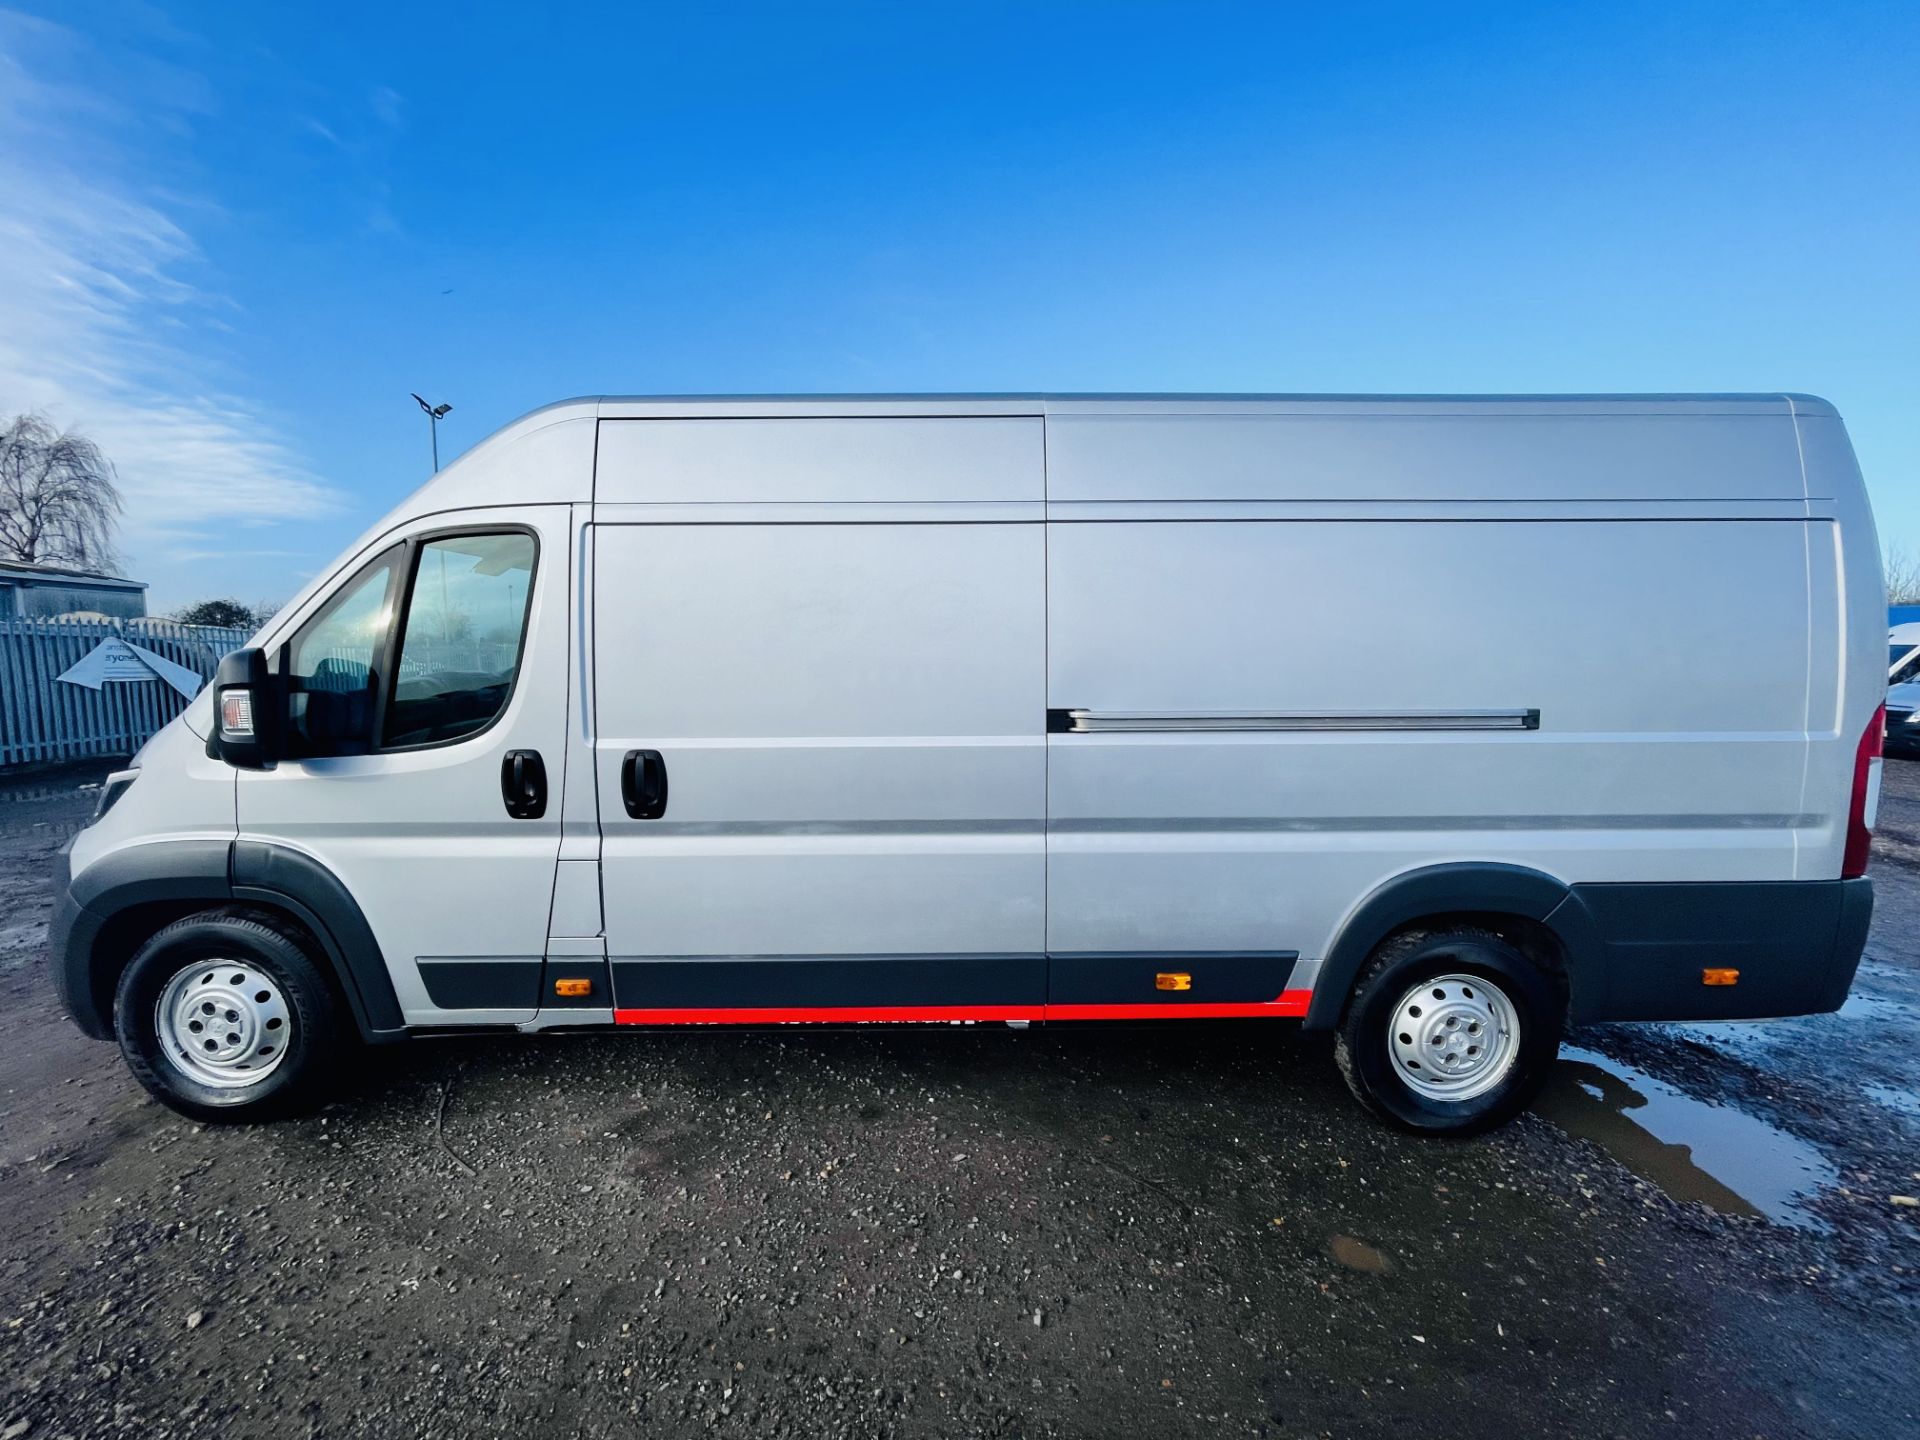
460,646
455,661
334,662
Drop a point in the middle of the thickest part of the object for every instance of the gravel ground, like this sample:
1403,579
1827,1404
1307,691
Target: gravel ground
952,1231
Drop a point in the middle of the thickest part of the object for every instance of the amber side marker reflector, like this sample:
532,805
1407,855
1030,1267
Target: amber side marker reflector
1719,977
572,989
1173,980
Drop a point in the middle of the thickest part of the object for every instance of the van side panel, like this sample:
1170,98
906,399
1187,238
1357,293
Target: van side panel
866,460
850,717
1492,452
1666,661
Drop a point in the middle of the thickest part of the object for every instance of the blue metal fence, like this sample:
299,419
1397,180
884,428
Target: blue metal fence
43,718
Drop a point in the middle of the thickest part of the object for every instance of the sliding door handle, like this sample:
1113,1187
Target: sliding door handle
643,784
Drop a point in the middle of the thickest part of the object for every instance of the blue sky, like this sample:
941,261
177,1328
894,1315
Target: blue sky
234,237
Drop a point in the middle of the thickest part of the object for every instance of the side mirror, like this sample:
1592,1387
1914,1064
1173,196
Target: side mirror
249,709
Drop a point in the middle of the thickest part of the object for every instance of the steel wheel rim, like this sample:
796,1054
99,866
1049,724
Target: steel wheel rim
1454,1037
223,1023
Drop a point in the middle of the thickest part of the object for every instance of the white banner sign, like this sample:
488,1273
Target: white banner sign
115,662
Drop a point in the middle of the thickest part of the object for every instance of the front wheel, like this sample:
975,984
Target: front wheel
224,1016
1449,1033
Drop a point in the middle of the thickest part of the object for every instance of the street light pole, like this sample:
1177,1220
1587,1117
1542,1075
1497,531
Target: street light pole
434,415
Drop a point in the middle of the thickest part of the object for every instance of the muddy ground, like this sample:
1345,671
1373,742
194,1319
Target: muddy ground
965,1231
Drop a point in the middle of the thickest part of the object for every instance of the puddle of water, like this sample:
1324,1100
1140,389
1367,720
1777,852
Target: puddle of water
1860,1006
1746,1035
1760,1035
1358,1255
55,790
1905,1102
54,830
1723,1157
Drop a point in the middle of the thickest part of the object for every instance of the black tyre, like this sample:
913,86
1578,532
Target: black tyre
224,1016
1450,1032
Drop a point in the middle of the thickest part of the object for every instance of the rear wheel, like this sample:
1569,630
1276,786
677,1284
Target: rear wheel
224,1016
1449,1032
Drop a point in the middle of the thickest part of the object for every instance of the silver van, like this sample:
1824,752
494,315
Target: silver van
1405,718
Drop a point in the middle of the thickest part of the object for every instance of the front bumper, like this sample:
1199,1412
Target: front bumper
1903,735
70,937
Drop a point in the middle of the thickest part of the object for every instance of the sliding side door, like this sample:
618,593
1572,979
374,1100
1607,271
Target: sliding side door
820,753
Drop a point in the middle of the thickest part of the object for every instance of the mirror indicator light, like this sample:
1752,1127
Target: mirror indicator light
236,713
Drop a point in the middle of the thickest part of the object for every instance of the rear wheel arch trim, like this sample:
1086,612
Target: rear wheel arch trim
1480,888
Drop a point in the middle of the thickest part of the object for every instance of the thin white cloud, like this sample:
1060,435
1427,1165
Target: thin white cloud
389,107
98,316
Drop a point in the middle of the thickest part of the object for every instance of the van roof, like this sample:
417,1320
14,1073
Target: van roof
466,475
1046,402
1040,402
549,418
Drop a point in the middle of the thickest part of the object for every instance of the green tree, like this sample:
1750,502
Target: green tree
227,614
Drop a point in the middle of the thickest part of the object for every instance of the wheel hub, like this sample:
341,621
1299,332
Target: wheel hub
1454,1037
223,1023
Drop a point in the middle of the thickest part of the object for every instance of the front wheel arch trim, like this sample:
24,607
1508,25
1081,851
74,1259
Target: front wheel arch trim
279,875
222,872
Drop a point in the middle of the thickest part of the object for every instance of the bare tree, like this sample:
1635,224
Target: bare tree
58,502
1903,576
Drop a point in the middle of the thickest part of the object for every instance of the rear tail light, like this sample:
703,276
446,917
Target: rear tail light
1866,797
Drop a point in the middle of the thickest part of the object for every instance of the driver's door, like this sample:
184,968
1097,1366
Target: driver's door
414,685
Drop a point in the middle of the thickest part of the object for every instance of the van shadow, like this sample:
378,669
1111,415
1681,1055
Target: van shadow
1214,1083
1212,1053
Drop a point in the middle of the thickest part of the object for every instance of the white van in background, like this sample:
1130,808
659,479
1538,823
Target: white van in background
1903,653
1903,690
1029,708
1903,720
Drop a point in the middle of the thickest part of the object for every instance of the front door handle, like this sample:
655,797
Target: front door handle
523,784
643,784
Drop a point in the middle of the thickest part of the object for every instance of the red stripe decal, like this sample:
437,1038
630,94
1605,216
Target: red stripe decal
1290,1003
827,1014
